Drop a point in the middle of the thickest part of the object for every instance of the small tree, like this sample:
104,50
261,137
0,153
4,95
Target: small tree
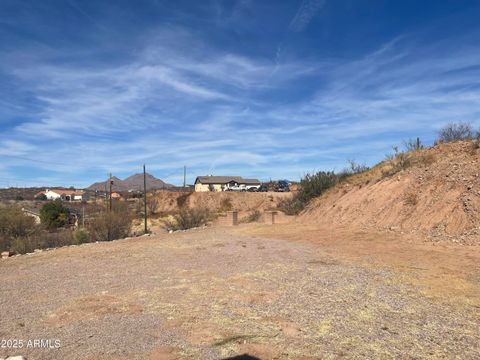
54,215
455,132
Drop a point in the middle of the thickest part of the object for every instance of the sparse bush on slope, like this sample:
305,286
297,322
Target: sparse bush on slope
455,132
188,218
413,144
354,168
311,186
255,216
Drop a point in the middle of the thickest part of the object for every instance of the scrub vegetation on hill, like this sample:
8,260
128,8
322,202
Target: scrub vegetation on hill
314,185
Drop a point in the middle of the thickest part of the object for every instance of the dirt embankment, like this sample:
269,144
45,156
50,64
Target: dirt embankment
438,195
218,201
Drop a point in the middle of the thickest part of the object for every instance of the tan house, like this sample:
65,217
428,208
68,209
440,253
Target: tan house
224,183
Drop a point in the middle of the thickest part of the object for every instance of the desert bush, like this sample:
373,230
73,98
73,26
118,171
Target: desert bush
353,169
399,160
292,206
226,204
42,240
153,203
314,185
188,218
14,224
254,216
475,145
182,200
111,225
54,215
410,198
454,132
413,144
23,245
311,186
81,236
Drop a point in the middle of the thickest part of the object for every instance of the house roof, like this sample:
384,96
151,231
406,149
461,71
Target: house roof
67,191
251,181
225,180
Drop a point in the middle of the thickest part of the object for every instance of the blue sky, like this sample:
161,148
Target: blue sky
266,89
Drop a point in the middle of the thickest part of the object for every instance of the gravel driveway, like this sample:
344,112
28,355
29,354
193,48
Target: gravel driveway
213,294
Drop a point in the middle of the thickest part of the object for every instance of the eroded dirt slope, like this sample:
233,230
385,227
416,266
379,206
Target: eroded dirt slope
219,201
438,195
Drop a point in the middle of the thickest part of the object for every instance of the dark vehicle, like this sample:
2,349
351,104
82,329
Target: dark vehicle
253,189
282,186
263,188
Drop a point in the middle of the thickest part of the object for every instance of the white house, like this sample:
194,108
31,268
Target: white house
64,194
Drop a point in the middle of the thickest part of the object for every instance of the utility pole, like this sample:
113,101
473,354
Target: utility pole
184,177
145,197
110,193
106,194
83,216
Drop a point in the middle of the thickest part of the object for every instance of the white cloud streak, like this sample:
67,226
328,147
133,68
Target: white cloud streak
306,12
222,112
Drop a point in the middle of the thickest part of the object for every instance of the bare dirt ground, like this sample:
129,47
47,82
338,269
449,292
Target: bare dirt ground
276,292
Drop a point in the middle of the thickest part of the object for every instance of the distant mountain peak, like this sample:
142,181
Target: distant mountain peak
133,182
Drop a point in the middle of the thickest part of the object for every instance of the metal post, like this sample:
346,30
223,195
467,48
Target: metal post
110,194
184,176
145,197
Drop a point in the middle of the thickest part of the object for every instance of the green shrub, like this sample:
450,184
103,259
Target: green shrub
81,236
188,218
310,187
54,215
314,185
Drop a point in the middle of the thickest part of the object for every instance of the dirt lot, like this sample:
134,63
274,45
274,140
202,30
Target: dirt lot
284,291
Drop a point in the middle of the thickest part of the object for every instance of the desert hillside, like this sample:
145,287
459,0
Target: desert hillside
437,193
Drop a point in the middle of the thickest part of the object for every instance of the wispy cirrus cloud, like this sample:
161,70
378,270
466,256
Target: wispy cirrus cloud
305,13
220,111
